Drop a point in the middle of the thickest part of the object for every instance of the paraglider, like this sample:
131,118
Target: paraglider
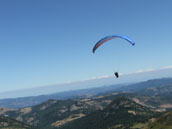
107,38
116,74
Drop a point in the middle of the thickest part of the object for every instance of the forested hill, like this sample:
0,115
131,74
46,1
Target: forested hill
121,113
8,123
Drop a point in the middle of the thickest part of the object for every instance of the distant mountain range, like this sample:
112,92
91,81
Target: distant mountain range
35,100
145,86
106,80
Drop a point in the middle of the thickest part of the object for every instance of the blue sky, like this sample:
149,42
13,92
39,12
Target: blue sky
47,42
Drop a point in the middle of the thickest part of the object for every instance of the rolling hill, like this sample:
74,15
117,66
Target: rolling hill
121,113
8,123
48,113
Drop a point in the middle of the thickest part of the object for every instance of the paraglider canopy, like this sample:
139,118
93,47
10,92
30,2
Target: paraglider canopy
107,38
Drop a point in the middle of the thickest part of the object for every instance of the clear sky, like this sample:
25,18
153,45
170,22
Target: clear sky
45,42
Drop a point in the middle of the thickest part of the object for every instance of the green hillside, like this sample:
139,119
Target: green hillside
121,113
59,112
8,123
162,122
158,97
